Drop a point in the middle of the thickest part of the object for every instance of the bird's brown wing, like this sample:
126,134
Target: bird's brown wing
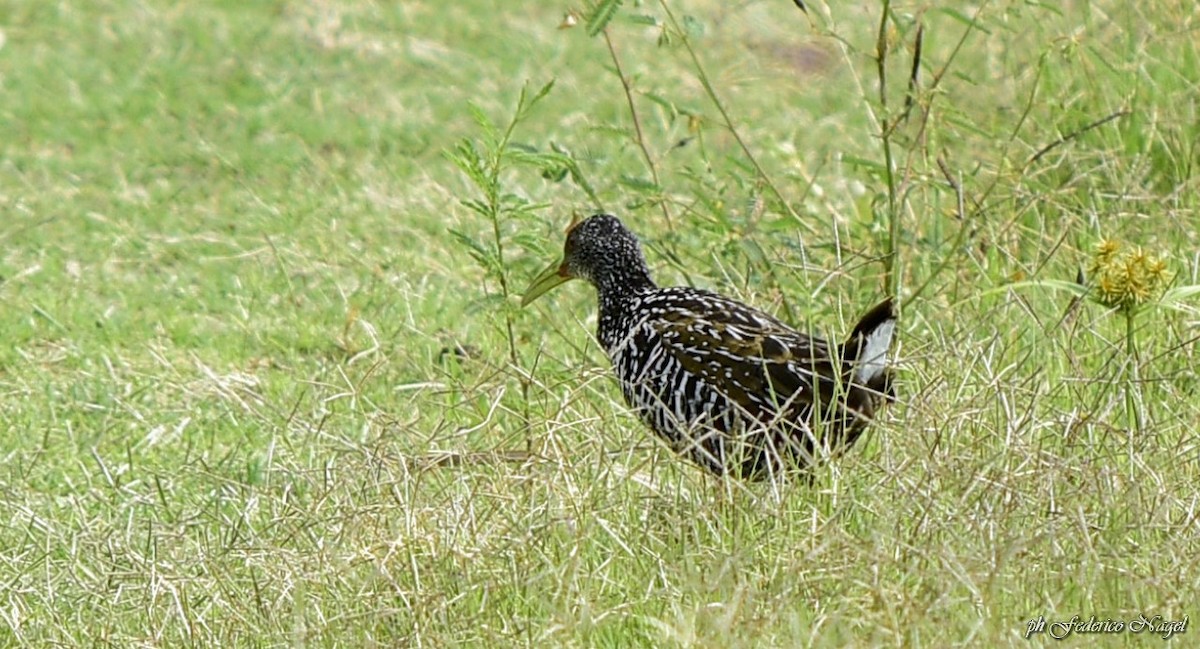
753,359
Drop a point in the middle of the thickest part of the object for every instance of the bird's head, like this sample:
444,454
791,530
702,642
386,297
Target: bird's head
599,249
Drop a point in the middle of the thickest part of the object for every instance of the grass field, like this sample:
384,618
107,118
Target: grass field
264,379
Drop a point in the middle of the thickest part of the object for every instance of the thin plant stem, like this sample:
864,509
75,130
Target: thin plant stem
1131,377
637,124
494,210
729,125
891,256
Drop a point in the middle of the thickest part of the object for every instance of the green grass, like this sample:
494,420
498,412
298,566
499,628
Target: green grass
234,252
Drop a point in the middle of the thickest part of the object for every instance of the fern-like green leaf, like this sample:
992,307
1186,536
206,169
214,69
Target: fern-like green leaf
601,15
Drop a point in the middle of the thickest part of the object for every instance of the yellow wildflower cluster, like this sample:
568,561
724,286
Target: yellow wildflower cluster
1126,280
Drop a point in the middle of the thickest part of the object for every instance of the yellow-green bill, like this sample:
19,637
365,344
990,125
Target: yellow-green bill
552,276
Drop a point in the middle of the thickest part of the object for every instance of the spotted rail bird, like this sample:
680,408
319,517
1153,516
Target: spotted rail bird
726,385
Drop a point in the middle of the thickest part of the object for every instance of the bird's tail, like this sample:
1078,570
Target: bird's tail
867,348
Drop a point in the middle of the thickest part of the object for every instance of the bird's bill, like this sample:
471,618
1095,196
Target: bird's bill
552,276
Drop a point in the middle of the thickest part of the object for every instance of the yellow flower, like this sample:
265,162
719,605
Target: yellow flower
1107,248
1157,270
1105,251
1127,280
1110,290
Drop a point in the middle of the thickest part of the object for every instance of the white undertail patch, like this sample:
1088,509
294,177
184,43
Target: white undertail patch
872,360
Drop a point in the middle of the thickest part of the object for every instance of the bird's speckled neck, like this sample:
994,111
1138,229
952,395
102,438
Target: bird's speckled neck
618,288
